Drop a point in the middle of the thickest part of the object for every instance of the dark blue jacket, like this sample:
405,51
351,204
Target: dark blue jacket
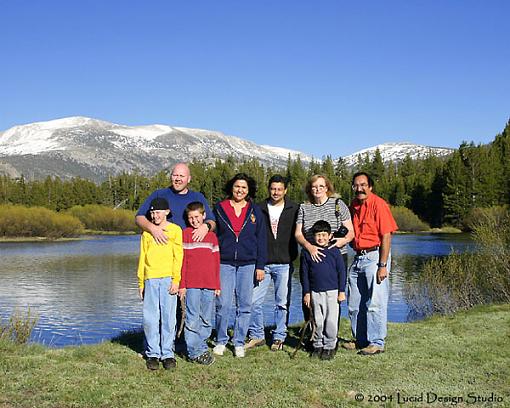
323,276
250,247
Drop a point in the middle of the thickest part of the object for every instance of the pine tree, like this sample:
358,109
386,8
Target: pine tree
377,168
457,192
501,150
297,176
343,178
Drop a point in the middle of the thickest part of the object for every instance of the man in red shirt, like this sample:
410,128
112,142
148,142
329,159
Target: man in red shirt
368,275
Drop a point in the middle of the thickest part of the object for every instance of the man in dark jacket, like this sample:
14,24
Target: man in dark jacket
280,217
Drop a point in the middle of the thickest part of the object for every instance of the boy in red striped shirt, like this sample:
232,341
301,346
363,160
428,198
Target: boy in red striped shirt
200,283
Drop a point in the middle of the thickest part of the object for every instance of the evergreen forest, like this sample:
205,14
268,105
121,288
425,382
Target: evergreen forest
441,191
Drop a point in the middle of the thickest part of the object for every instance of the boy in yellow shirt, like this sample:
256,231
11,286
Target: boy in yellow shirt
159,274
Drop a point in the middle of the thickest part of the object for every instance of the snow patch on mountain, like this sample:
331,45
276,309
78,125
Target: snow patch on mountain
281,151
396,152
148,133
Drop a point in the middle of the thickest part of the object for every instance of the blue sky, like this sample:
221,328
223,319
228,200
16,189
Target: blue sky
323,77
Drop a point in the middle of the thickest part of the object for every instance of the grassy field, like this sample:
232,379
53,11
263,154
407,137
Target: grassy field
462,360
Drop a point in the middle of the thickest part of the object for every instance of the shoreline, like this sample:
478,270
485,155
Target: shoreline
88,234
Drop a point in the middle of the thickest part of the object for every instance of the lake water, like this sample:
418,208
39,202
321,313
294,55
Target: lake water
86,291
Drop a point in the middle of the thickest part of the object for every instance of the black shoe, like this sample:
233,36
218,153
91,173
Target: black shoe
152,363
204,359
327,354
169,363
316,353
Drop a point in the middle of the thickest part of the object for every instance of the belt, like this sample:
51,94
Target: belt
366,251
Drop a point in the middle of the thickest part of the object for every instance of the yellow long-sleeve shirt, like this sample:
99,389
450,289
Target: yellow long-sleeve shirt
161,261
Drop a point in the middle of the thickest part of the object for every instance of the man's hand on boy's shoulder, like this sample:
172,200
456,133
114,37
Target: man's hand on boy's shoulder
158,234
199,233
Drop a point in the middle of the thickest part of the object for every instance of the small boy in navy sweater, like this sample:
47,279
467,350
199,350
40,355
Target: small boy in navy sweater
324,287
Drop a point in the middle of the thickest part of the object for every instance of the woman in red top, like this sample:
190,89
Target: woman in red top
241,234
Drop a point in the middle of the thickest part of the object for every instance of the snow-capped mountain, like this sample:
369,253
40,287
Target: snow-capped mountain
94,149
396,152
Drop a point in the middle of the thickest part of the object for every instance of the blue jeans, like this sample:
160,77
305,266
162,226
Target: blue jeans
198,327
159,308
236,280
279,274
368,300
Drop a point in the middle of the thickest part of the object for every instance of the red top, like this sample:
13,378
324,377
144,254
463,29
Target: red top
201,263
371,220
235,221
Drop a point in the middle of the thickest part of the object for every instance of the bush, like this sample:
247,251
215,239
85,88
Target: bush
101,218
492,232
461,281
477,215
19,327
20,221
407,220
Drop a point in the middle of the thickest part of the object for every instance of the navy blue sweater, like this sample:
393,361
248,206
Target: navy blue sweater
323,276
250,247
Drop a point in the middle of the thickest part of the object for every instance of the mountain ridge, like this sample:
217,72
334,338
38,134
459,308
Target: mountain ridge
91,148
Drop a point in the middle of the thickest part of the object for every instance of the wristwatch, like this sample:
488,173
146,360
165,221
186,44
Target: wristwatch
381,264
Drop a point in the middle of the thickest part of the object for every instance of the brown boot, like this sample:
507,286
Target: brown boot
349,345
372,350
277,345
252,343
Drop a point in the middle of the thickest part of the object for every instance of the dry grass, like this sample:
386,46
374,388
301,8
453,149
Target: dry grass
19,326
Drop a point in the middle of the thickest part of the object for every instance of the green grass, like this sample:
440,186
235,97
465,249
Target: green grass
465,354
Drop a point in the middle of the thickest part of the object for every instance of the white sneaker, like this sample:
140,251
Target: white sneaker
239,351
219,349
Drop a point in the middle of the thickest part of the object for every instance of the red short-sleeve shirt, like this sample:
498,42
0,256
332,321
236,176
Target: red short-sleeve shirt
371,220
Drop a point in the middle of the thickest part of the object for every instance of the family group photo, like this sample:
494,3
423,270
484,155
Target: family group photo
254,204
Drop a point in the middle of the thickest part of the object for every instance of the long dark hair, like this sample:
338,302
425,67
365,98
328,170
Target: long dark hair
252,185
